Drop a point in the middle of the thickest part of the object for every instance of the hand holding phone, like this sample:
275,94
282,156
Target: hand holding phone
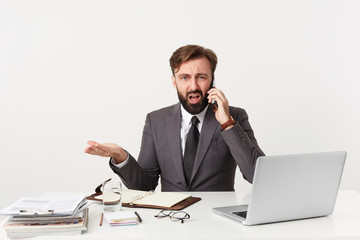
220,106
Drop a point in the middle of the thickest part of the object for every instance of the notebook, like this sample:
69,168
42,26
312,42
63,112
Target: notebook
151,199
162,199
290,187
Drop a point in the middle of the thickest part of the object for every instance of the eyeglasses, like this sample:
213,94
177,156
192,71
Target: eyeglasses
173,215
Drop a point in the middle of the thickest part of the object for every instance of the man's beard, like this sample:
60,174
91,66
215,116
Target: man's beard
193,108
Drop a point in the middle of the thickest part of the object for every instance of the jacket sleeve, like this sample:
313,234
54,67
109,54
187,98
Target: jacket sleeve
132,173
242,143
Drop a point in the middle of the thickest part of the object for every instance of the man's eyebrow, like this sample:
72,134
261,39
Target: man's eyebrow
187,74
202,74
183,75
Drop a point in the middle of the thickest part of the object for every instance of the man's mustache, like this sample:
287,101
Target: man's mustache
192,92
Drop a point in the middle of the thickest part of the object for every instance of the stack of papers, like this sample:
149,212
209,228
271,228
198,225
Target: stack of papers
52,216
19,227
46,206
120,218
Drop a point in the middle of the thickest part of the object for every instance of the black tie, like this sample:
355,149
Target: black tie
191,145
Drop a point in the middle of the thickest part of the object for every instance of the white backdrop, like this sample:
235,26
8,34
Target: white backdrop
77,70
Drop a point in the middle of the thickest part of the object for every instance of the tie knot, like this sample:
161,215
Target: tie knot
194,121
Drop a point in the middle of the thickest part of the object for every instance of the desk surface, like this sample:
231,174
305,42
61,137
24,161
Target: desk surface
204,224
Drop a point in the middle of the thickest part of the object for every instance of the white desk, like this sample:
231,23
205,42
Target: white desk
344,223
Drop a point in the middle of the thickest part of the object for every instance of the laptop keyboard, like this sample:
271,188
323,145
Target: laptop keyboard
241,214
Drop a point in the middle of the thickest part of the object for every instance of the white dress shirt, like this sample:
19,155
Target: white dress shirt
186,125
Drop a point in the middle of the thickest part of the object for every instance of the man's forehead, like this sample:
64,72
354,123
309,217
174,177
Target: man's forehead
195,66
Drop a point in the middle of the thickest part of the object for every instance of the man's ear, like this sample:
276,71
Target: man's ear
173,81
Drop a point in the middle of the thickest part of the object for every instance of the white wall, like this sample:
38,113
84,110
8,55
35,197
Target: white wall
77,70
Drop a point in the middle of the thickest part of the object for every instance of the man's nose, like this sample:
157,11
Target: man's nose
193,84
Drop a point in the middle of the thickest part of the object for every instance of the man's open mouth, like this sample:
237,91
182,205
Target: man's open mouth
194,98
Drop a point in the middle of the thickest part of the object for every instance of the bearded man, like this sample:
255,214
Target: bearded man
193,145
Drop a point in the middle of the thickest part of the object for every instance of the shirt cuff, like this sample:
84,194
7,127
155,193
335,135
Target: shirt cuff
120,165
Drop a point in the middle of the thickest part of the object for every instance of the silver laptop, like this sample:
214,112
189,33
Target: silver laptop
290,187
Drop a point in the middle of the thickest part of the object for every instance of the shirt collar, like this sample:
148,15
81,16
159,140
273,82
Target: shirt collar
186,116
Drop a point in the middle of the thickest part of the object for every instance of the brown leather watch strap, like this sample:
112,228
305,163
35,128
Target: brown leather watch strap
230,122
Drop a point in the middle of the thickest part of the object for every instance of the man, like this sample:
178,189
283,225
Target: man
220,139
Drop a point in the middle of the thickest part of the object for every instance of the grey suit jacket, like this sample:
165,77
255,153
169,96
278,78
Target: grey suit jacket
219,152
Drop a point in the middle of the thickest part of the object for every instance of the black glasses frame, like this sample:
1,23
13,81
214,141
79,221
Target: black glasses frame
173,215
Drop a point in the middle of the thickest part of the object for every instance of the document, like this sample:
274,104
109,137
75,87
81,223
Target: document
45,206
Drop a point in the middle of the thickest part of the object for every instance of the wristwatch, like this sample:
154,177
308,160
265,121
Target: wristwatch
230,122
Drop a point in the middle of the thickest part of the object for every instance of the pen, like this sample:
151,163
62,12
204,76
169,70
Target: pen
136,213
101,219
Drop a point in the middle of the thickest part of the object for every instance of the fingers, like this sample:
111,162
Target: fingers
106,150
89,150
222,110
218,95
95,148
90,142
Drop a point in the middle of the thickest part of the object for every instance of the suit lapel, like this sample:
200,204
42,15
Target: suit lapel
173,123
207,132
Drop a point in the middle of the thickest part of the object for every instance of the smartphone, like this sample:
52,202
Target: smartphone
213,102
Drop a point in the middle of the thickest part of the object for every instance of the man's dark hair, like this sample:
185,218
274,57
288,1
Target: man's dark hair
189,52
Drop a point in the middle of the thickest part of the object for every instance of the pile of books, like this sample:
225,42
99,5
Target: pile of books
18,226
30,217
